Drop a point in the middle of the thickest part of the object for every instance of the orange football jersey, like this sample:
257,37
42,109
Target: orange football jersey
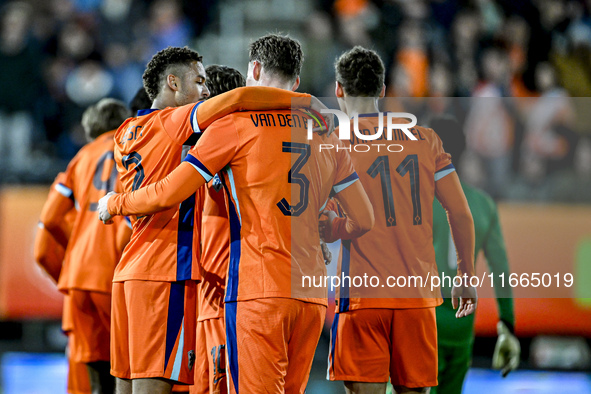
399,177
148,148
93,249
277,181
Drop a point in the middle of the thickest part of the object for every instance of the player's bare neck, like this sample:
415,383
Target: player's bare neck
274,82
361,105
161,103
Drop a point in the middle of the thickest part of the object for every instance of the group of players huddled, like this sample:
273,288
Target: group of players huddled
209,218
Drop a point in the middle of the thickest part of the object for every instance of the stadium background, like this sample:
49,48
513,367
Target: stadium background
59,56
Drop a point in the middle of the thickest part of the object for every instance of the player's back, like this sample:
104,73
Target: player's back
147,149
399,177
277,182
93,249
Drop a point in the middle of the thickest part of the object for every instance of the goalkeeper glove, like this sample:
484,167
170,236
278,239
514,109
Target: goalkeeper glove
507,350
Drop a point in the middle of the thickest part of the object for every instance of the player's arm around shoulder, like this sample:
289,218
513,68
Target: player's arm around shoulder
205,159
156,197
251,98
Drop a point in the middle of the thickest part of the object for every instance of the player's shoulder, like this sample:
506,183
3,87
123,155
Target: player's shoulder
99,144
427,133
230,121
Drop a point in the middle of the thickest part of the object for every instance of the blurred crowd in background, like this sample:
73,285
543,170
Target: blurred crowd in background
516,74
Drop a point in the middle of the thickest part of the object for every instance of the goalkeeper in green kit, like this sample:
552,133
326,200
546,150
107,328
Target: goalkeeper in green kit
455,337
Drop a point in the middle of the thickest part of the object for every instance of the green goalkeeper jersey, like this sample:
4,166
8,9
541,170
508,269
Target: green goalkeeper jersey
489,239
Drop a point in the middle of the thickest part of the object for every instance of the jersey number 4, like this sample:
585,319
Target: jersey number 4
294,176
409,165
106,164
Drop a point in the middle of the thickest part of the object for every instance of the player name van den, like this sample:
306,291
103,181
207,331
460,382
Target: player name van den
282,120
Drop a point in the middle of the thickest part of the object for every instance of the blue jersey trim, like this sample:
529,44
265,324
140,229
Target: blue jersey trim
235,248
333,340
448,169
232,342
65,191
176,311
345,265
193,118
208,176
184,251
345,183
142,112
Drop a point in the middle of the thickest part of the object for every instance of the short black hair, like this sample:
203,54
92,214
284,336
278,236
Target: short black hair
221,79
106,115
361,72
451,134
140,101
279,55
164,63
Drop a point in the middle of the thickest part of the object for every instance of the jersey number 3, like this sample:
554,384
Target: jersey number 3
294,176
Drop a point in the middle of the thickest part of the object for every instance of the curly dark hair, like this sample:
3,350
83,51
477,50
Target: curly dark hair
166,62
279,55
360,72
220,79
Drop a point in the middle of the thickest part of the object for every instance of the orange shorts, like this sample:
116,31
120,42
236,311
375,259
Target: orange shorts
91,321
153,330
181,388
78,380
271,344
372,345
210,368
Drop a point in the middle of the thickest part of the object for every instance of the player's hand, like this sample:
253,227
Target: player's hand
507,350
325,226
468,300
327,128
326,253
103,209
